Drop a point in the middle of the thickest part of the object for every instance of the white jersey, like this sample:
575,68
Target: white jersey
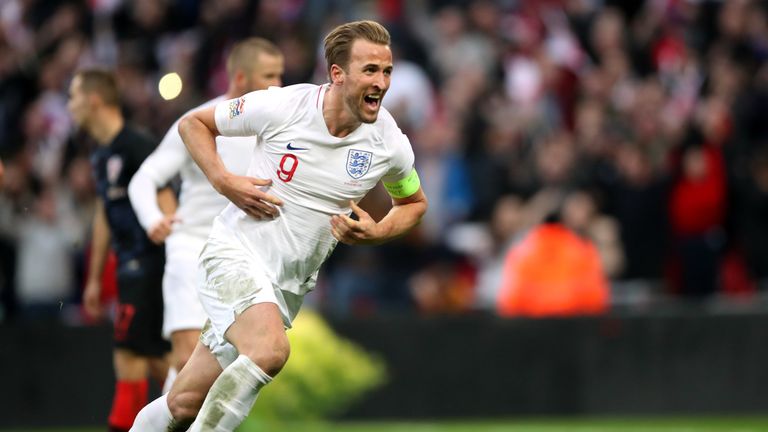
314,173
199,203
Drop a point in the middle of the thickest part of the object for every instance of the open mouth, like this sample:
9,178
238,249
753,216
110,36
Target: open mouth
372,100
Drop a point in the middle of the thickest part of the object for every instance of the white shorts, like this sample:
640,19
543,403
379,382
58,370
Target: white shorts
230,281
182,308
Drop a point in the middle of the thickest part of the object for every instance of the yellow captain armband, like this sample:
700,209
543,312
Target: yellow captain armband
405,187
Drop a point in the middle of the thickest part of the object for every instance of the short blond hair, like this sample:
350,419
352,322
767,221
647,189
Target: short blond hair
244,54
338,43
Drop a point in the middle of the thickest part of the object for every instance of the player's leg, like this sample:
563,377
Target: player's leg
131,367
130,389
158,368
138,337
177,409
258,333
184,316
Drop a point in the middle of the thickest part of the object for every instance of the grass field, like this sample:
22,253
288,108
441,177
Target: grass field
703,424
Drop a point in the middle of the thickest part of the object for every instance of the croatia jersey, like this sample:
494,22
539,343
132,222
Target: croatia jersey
314,173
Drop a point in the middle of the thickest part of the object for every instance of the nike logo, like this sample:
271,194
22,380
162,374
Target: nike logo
291,147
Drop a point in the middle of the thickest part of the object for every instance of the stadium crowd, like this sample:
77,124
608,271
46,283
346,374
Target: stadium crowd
635,124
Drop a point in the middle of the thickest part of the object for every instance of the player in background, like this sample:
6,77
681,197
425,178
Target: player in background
322,149
139,347
252,64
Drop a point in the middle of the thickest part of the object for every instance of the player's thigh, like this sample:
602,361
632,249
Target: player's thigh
139,318
259,333
195,379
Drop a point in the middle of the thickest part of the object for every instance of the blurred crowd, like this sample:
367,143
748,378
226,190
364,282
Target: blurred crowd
633,124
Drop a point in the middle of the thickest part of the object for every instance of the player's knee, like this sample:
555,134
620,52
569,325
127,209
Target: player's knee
184,406
272,359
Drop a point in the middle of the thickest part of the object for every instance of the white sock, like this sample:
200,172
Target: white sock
156,416
169,379
231,397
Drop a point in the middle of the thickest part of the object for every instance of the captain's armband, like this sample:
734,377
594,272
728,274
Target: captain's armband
405,187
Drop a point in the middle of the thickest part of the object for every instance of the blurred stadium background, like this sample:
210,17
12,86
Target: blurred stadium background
637,125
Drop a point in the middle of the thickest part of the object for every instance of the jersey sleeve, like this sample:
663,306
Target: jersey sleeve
154,173
250,114
402,162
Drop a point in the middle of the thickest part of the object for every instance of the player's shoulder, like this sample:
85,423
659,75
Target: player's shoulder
287,103
386,126
385,119
294,93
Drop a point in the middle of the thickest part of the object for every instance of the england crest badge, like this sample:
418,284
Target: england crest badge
358,162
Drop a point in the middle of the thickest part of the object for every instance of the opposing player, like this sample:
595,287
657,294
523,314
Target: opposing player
139,347
323,148
253,64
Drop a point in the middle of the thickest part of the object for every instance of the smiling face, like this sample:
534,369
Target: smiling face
366,79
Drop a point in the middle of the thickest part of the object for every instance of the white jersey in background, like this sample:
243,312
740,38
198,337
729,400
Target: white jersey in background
315,174
199,203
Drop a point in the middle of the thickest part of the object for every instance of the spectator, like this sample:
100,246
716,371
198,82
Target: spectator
697,215
553,272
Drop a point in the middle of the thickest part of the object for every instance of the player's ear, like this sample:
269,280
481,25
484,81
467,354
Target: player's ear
337,74
239,78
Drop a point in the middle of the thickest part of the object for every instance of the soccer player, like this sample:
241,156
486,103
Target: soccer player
323,148
139,347
253,64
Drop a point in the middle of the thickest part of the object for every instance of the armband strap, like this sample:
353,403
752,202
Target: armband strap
405,187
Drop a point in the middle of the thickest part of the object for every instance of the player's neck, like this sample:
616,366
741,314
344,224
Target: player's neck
338,119
105,127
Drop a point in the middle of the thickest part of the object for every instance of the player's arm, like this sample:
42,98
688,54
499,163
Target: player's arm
99,250
155,206
155,210
198,131
167,204
408,207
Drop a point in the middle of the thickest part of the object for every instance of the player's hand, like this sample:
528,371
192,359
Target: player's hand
92,299
355,232
161,229
246,193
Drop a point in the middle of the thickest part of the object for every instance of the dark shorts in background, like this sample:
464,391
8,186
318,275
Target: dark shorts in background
139,317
